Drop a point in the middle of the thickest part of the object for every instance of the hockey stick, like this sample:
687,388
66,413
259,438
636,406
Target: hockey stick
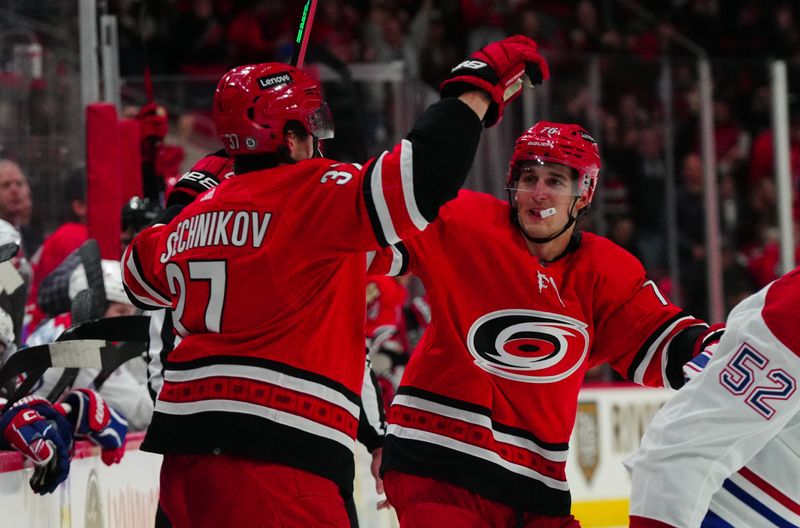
127,351
133,330
88,353
91,259
123,328
8,251
303,32
81,310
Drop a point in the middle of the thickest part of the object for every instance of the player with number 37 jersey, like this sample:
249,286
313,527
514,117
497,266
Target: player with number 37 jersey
265,275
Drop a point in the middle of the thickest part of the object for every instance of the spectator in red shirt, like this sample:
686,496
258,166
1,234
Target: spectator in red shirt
64,240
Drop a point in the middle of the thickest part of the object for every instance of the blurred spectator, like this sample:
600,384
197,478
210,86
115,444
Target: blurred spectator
690,215
540,27
161,162
253,33
387,345
439,52
337,28
736,278
730,210
785,34
731,141
622,231
647,185
586,34
762,161
64,240
199,39
16,203
484,21
764,263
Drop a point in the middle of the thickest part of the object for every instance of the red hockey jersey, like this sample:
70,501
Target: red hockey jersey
489,397
265,275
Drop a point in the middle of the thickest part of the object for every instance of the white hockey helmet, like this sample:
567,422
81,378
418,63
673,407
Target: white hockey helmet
112,282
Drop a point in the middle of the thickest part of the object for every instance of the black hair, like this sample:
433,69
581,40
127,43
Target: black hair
252,162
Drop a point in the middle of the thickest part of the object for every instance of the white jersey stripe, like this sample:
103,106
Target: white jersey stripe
478,419
379,200
407,176
269,376
155,368
638,376
281,417
155,296
479,452
397,262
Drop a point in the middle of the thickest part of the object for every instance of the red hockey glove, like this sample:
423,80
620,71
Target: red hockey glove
34,428
498,69
94,420
152,121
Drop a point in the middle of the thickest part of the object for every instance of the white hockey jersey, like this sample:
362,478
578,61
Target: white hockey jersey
725,450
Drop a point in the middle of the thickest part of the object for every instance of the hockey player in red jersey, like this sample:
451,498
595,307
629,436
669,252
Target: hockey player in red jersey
258,412
522,305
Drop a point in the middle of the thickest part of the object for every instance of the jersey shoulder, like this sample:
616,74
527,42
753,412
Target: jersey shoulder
781,313
610,264
475,208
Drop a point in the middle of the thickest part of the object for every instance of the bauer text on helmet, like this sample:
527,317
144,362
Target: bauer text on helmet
564,144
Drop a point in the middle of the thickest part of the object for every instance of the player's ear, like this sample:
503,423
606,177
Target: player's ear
290,140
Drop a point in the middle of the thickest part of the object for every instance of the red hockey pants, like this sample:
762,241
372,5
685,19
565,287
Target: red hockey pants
423,502
199,491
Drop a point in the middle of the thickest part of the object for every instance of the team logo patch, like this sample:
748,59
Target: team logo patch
271,81
528,345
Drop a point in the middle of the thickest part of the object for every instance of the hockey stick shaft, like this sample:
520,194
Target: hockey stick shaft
303,32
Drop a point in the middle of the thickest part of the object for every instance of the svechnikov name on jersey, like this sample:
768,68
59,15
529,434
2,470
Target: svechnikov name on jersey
217,228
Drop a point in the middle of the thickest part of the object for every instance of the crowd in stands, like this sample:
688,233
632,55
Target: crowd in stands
206,37
209,36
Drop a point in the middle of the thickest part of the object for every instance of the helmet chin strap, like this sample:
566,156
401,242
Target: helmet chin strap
543,240
317,150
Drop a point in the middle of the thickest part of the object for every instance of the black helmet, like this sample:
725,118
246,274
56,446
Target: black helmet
138,213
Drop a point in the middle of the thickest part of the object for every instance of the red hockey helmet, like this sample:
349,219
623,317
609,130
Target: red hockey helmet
253,103
565,144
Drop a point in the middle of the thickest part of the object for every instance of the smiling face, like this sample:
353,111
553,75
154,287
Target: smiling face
544,195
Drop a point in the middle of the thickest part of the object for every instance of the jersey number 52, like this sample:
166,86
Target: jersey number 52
739,375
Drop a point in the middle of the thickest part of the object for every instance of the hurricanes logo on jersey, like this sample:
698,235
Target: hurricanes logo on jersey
528,345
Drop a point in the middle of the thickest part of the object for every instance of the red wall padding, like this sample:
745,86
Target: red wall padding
131,159
104,178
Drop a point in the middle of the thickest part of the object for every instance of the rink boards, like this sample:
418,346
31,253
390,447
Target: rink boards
609,424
